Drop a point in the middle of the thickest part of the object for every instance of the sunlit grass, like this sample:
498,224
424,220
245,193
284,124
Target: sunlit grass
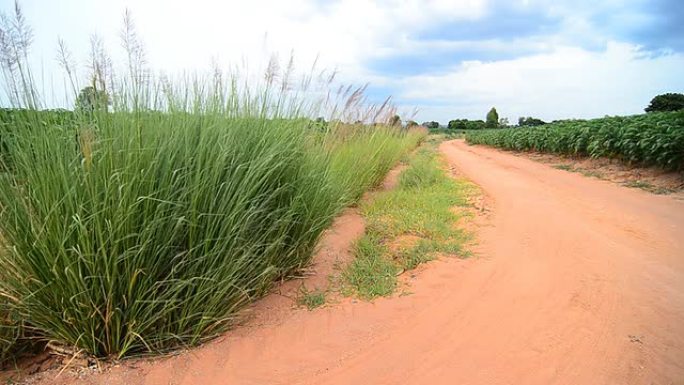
146,218
409,225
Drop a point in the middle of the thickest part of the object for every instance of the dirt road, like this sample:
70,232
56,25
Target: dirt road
577,281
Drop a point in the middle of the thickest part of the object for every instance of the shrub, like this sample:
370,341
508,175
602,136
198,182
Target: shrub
666,102
458,124
530,121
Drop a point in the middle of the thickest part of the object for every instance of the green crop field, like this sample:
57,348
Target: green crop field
653,139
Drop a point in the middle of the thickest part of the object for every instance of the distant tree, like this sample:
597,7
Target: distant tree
394,121
458,124
411,123
503,122
431,125
530,121
666,102
476,124
91,99
492,118
465,124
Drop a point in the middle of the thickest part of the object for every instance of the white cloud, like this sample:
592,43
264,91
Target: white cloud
568,82
563,81
181,35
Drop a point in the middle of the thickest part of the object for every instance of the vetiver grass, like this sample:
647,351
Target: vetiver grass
409,225
149,232
9,332
147,224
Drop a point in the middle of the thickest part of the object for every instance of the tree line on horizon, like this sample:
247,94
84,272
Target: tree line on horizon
660,103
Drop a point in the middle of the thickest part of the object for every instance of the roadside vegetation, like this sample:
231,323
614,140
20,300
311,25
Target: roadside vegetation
652,139
311,299
145,218
411,224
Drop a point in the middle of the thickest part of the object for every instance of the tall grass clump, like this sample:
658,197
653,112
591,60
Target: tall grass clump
150,232
424,171
381,147
146,219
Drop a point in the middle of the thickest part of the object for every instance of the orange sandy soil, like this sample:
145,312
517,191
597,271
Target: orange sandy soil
575,281
651,179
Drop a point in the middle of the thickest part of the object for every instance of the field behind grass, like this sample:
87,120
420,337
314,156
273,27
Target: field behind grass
653,139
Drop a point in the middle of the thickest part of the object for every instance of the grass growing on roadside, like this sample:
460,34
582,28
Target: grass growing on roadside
371,274
310,298
409,225
564,167
646,186
160,235
143,222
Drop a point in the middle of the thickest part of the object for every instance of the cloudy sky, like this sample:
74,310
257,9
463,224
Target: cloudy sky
448,58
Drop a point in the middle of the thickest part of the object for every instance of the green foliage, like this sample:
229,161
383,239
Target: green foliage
650,139
465,124
476,125
411,124
371,274
530,121
9,333
152,230
310,298
394,121
14,341
420,210
431,125
492,118
320,124
90,99
458,124
381,147
424,171
147,227
666,102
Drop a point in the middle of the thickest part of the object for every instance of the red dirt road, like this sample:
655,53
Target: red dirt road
577,281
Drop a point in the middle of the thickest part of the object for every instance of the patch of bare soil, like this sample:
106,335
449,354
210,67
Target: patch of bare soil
652,179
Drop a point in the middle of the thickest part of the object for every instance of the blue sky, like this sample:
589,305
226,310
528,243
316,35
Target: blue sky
450,59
